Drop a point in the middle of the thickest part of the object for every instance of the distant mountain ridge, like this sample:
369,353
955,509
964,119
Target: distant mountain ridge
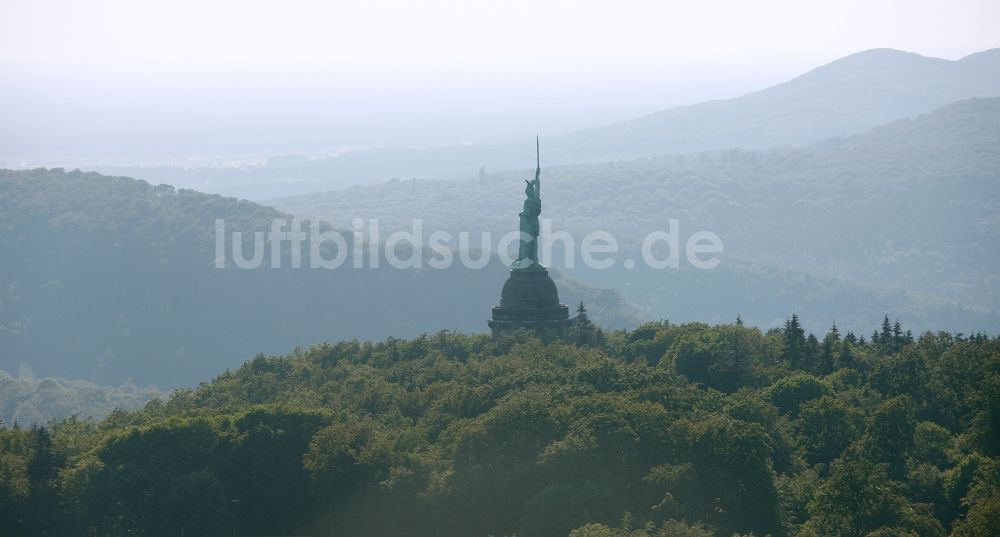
844,97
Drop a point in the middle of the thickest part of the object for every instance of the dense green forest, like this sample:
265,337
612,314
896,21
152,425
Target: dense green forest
669,430
901,218
111,279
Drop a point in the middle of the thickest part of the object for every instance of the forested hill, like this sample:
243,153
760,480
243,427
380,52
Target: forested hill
903,218
970,125
109,279
668,430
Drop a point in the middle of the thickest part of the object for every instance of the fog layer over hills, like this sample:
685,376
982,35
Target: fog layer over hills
901,220
110,279
844,97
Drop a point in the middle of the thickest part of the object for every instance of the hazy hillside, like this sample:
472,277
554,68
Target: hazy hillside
26,400
844,97
902,219
110,279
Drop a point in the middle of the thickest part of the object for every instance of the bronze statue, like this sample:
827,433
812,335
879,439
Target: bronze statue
527,254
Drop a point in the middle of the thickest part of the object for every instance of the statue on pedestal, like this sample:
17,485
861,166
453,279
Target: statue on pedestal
529,298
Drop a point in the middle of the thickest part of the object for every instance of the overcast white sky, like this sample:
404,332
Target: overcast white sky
433,30
480,70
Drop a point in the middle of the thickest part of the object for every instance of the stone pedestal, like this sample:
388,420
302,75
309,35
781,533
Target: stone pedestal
530,300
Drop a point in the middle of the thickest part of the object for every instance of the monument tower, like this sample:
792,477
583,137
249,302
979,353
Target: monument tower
529,298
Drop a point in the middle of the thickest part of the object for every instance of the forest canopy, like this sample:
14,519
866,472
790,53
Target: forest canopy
670,430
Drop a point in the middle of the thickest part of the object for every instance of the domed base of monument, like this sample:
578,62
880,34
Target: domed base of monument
527,264
530,300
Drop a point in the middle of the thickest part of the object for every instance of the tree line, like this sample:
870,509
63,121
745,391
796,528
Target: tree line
666,430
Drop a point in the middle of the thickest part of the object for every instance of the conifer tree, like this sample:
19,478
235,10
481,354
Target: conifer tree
846,357
583,331
795,340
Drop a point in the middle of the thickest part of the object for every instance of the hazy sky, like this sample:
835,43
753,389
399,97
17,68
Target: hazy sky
96,76
392,30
